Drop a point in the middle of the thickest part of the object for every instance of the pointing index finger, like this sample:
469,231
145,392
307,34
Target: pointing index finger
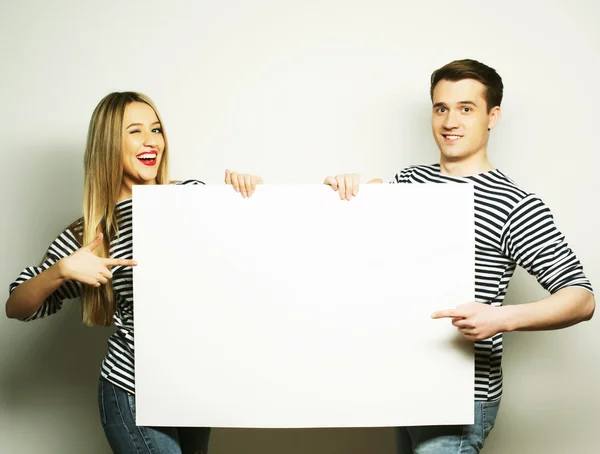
120,262
447,313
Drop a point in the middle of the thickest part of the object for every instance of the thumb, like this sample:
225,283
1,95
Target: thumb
94,244
227,176
331,181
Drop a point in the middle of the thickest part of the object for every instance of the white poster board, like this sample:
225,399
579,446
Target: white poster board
294,309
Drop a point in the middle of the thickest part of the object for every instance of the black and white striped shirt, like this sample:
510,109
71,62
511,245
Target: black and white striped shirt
512,227
118,364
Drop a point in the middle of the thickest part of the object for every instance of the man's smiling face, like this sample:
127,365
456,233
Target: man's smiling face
460,120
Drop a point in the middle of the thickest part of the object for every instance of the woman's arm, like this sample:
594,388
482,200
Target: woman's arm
27,298
40,291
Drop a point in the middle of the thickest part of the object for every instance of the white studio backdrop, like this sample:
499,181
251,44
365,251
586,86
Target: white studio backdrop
293,91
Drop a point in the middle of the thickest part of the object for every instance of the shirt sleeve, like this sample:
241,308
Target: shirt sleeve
533,241
61,247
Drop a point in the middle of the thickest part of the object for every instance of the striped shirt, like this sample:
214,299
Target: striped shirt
118,364
512,227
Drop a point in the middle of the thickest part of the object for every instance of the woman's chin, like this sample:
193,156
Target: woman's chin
147,175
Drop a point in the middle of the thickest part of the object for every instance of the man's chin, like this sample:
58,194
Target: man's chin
453,155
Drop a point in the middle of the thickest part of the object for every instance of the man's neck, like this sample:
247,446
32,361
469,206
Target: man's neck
472,165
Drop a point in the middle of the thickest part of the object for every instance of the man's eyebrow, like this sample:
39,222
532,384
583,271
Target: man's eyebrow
443,104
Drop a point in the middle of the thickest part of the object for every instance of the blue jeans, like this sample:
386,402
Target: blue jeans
450,439
117,415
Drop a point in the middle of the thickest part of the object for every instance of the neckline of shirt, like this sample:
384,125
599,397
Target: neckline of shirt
493,172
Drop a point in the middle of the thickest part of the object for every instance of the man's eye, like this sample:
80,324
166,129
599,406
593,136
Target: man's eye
467,109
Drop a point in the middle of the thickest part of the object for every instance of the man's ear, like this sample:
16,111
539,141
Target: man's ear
494,117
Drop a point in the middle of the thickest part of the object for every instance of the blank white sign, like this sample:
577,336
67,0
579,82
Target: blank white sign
294,309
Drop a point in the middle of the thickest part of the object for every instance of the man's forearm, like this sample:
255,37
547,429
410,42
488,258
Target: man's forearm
564,308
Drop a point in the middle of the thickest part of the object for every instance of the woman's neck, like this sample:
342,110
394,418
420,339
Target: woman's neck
126,188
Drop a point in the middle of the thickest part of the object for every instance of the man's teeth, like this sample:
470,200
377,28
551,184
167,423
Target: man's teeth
452,137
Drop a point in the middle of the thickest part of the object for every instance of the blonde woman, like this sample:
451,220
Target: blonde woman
92,259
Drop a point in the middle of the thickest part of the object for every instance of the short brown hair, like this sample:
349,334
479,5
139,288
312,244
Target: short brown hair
471,69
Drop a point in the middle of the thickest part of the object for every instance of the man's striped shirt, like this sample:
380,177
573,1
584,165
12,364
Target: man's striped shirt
512,227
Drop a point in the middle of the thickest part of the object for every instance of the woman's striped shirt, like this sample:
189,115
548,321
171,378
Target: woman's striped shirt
118,364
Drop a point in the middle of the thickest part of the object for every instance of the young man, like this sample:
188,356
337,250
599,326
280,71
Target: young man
512,227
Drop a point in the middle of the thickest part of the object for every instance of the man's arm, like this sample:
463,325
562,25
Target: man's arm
533,241
566,307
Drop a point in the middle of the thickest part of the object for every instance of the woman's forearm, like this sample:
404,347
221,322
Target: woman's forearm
28,297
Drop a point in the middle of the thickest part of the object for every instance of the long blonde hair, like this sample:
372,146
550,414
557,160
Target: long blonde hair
103,175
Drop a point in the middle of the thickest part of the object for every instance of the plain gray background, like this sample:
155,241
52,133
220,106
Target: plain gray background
294,91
